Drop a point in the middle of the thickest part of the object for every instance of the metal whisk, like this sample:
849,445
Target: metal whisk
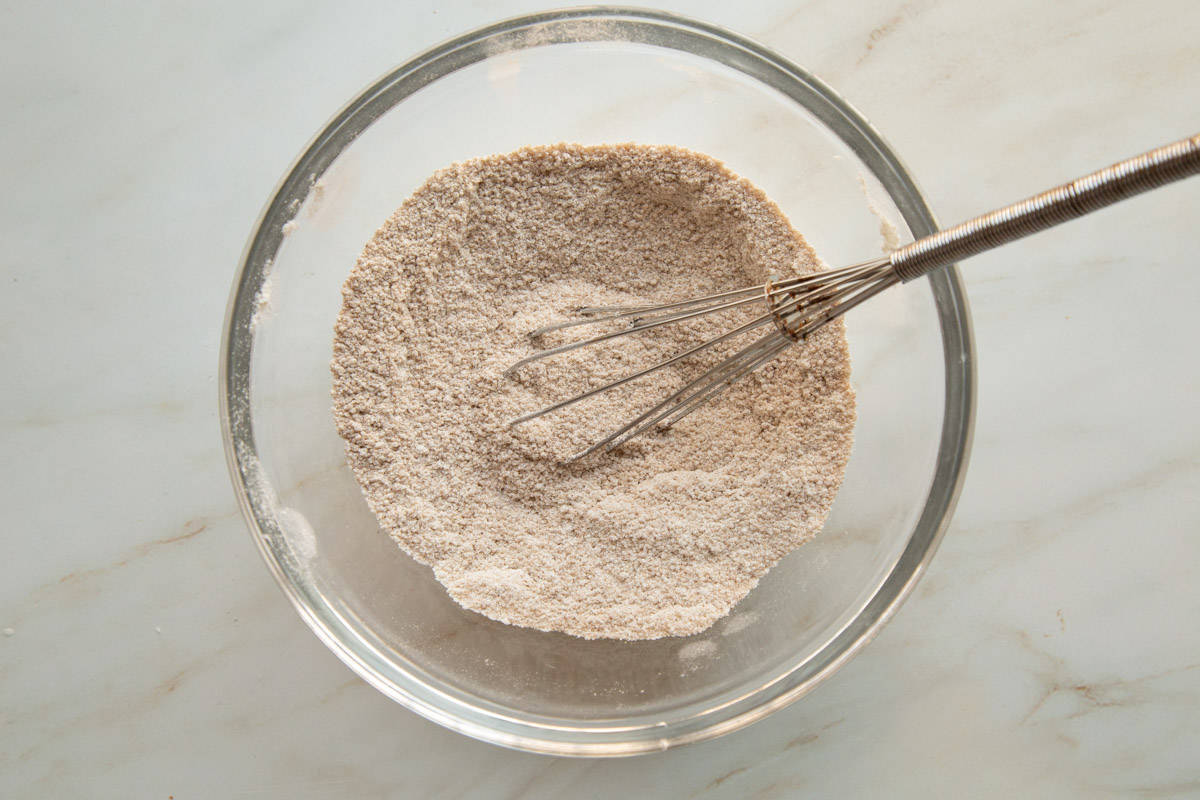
795,307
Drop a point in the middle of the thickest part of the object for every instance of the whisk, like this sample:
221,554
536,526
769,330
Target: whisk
792,308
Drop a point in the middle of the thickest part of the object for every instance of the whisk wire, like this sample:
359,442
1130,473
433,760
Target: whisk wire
749,357
797,306
596,314
770,350
831,313
813,309
600,314
765,319
655,322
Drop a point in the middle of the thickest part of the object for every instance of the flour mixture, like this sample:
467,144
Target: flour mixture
659,538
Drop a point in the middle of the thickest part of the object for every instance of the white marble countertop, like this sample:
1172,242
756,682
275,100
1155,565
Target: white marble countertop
1052,650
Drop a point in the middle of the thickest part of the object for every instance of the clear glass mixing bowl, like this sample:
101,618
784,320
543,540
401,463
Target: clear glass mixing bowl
591,76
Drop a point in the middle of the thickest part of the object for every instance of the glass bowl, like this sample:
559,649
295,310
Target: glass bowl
592,76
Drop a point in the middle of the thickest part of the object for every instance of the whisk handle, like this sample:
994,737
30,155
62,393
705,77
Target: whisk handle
1084,195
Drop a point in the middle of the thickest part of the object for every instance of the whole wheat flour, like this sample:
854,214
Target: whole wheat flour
659,538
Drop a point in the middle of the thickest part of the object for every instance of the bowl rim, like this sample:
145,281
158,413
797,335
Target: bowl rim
472,717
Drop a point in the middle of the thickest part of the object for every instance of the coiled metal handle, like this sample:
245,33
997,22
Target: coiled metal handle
1084,195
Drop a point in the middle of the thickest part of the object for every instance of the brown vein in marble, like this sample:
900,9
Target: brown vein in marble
793,744
192,528
49,420
1020,541
1093,695
189,530
717,781
883,30
130,705
1186,788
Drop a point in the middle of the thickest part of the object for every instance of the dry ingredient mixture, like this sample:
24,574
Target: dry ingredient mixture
659,538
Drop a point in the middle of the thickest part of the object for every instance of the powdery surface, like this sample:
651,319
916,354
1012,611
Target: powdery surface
661,537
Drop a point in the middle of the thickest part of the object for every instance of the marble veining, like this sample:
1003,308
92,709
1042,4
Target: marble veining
1051,651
